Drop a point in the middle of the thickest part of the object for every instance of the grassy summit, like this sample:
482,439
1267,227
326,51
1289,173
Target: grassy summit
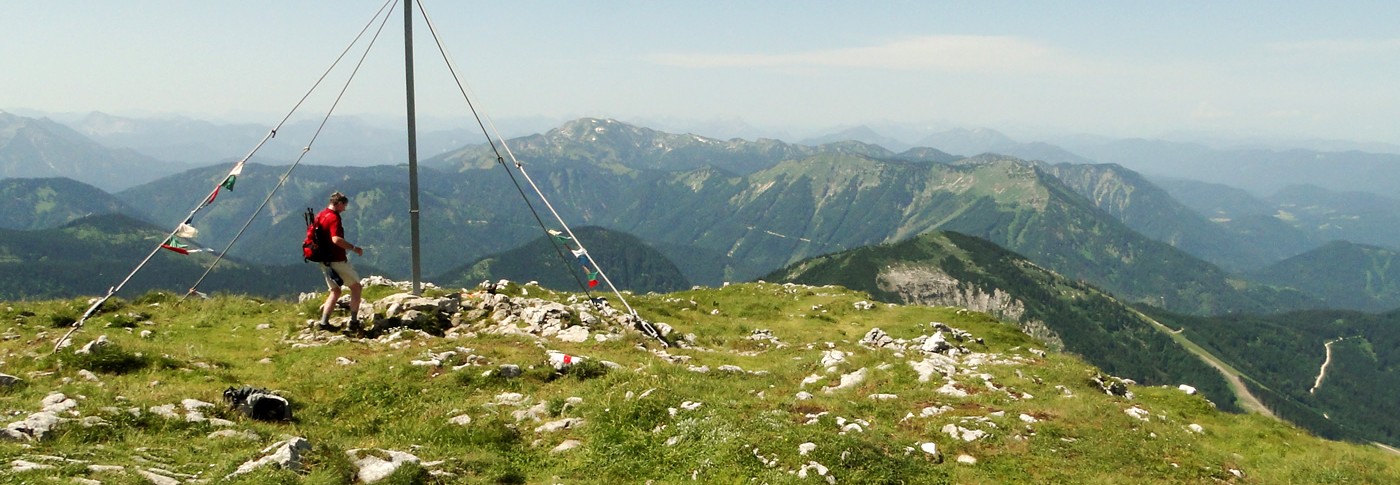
769,385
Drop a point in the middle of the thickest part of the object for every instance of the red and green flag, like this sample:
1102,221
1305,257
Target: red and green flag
232,176
174,244
228,182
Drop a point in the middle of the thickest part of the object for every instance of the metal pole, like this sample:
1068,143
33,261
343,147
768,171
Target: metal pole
412,142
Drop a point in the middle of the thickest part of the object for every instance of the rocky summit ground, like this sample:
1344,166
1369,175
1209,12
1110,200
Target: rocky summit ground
510,383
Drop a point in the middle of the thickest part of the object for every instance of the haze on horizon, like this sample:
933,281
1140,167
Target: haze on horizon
1246,69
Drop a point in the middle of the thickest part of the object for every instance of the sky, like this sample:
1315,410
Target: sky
1123,69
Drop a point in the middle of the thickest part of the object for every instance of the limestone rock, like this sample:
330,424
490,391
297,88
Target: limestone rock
376,465
284,454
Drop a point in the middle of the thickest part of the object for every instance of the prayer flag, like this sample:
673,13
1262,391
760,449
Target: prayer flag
186,231
232,176
175,245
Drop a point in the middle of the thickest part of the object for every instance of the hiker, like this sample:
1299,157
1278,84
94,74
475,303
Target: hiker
337,266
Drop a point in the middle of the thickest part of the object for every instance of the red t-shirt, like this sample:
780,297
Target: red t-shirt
330,220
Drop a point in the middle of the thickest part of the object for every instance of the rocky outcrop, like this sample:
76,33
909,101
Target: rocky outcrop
920,285
488,310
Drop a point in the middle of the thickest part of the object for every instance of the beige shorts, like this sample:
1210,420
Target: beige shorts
344,270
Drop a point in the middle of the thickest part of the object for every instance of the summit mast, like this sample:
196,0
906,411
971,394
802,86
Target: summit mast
412,143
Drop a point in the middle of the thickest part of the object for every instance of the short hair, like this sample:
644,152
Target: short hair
338,197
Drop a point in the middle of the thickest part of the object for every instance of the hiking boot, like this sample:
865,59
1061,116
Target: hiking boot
353,327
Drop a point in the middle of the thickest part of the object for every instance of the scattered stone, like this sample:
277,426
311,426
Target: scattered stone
1113,386
877,338
19,466
763,335
461,420
951,389
573,334
813,466
156,478
105,468
967,460
566,446
805,448
848,381
962,433
561,360
284,454
164,411
57,403
509,371
1190,391
229,433
1138,413
830,358
931,411
930,448
376,465
94,345
934,364
935,344
510,398
1196,428
562,424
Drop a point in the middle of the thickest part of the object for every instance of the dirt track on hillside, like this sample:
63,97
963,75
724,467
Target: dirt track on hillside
1232,377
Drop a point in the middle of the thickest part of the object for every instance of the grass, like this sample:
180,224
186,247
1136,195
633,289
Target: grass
644,417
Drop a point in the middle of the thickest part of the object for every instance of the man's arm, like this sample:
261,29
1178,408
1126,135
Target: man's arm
340,241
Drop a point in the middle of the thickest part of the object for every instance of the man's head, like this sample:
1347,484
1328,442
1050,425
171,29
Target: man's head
338,201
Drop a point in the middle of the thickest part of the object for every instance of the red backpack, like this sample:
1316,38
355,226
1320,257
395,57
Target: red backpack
316,247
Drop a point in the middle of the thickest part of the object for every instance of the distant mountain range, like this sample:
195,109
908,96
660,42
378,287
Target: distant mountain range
40,148
626,261
1070,251
1344,275
89,255
734,210
45,203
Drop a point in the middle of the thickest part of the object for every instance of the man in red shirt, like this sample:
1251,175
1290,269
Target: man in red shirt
338,269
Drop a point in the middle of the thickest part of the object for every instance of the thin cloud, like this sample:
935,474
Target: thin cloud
1209,112
956,53
1338,47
